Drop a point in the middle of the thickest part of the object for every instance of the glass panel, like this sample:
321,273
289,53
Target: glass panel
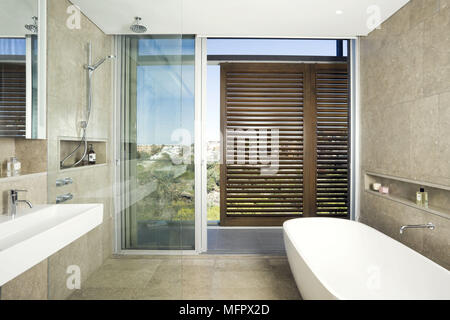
345,48
282,47
213,142
159,143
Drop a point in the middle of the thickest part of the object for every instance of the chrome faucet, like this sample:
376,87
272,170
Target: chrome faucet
417,226
13,202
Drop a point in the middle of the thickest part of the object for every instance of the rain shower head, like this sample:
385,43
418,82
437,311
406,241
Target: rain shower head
32,27
137,27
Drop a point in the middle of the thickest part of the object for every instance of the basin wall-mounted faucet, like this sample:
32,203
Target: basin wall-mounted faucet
13,201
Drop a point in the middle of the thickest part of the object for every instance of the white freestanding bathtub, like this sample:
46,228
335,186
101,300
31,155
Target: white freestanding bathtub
340,259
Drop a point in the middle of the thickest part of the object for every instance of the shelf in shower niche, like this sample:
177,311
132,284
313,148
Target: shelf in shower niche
403,190
411,181
78,168
67,144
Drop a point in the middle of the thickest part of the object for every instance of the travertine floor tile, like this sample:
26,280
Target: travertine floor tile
193,278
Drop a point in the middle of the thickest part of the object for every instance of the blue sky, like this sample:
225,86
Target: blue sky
166,92
12,46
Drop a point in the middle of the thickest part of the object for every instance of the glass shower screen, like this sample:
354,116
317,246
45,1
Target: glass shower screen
157,143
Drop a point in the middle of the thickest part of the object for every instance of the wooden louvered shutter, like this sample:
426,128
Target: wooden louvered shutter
309,106
333,141
256,100
12,100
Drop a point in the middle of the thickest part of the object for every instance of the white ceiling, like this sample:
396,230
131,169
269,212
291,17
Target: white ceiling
14,15
256,18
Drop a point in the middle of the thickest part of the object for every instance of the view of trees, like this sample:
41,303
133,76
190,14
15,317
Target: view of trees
170,187
213,189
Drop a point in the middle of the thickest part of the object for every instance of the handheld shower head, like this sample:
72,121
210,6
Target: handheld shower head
137,27
99,63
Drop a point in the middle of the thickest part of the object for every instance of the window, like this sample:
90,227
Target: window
276,47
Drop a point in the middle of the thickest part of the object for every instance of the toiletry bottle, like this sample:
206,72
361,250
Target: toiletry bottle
92,155
384,190
16,166
8,168
425,199
419,197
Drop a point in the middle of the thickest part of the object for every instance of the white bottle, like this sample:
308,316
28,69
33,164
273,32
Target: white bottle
16,166
8,168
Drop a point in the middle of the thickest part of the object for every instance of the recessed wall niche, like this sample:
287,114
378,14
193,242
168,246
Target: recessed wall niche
404,190
67,145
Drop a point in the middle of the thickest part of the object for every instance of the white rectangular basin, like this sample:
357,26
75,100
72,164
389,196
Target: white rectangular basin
35,234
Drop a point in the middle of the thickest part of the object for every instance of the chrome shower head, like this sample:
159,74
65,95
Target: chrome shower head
137,27
32,27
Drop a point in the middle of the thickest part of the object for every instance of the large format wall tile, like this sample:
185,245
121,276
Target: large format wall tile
30,285
32,154
436,62
444,133
425,138
423,9
67,99
405,118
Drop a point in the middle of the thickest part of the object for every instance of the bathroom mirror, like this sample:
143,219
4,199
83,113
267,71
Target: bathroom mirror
22,69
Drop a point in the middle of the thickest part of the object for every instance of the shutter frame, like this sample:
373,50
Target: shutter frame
324,103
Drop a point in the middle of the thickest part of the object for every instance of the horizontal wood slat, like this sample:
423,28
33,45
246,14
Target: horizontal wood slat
12,100
332,149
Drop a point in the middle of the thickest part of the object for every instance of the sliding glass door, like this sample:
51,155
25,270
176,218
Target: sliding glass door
157,143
